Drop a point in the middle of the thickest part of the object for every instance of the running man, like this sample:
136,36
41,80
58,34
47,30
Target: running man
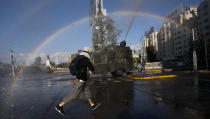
82,63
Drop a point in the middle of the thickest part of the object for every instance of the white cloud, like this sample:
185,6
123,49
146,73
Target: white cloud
136,48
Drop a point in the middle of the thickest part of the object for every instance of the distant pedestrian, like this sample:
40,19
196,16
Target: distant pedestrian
139,67
78,67
142,66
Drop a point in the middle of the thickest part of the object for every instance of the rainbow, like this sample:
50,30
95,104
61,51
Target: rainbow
62,29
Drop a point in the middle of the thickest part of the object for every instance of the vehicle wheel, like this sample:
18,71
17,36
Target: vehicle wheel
128,73
120,72
113,74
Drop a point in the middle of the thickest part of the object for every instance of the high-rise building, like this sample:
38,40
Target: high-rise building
183,34
204,26
175,35
150,39
96,9
144,46
166,41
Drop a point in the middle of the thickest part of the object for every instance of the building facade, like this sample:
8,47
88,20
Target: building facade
204,26
150,39
144,46
183,37
166,41
175,36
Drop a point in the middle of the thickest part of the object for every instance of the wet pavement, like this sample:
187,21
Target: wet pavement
186,96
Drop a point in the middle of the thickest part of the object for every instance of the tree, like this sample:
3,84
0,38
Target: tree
136,60
104,32
151,53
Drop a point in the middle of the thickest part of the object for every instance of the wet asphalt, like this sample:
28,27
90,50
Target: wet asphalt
186,96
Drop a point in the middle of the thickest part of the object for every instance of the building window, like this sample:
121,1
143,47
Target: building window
206,20
205,6
205,14
207,27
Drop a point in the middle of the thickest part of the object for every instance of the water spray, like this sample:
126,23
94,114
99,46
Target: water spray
130,25
133,18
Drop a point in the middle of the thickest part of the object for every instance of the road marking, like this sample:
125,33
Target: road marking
151,77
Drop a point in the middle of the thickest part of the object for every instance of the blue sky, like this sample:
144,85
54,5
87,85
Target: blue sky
24,24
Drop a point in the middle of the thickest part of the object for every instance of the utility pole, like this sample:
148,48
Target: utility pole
141,49
12,62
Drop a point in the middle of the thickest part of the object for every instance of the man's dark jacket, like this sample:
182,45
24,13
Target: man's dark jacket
81,67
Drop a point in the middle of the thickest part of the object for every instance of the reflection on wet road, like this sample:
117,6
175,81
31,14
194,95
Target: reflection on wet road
182,97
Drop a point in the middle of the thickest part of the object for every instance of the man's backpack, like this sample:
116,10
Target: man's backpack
73,66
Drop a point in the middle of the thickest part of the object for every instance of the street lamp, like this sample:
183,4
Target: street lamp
142,49
12,62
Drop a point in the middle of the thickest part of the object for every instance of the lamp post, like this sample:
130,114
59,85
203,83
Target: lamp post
141,49
12,62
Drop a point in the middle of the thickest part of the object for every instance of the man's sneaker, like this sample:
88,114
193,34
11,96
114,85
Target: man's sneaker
95,106
60,109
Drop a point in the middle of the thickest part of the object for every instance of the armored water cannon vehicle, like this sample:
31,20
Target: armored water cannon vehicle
115,59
